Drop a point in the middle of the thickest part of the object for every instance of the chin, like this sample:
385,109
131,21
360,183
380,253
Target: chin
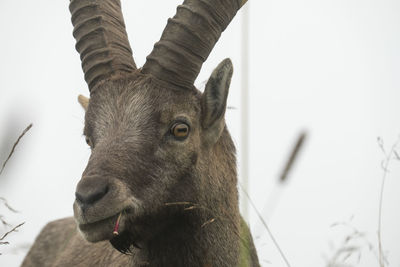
101,230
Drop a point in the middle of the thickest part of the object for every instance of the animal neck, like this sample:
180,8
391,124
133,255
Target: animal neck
194,240
206,232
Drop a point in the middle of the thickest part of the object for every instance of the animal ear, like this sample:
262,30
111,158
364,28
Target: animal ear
84,101
214,100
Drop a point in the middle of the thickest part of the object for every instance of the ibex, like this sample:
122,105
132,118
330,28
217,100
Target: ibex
161,183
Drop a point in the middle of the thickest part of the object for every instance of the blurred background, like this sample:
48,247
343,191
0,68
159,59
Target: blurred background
328,68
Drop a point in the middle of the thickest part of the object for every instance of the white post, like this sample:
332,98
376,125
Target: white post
245,112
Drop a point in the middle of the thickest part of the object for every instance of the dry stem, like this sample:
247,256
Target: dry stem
352,244
4,222
213,219
385,166
292,158
266,227
12,230
7,205
14,146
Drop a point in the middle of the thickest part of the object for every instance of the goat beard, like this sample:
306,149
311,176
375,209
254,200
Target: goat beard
124,242
137,232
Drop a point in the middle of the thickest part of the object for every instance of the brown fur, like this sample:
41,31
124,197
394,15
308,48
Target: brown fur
178,197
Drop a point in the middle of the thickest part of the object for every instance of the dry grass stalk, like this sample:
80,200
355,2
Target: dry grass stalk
389,156
266,227
292,158
350,248
207,222
12,230
223,217
14,146
15,229
3,221
7,205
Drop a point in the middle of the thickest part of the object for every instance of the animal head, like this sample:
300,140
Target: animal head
155,139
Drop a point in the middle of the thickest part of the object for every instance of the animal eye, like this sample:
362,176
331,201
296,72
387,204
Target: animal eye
180,130
88,141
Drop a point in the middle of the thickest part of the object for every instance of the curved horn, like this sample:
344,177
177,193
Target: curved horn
101,39
188,39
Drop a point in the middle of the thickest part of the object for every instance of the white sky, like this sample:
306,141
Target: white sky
329,67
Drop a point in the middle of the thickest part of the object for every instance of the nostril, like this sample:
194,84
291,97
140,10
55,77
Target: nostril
92,195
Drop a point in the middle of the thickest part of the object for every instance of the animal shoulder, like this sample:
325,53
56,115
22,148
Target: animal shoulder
60,244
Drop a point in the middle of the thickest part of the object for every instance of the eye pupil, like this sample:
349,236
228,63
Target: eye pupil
180,130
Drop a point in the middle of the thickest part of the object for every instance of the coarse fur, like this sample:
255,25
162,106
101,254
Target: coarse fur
160,187
178,197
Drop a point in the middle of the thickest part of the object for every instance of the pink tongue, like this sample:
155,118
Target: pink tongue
115,232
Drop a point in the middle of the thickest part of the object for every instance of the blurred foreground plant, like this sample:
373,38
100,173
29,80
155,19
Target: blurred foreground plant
390,155
3,200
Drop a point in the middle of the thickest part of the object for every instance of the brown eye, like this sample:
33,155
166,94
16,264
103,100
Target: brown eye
180,130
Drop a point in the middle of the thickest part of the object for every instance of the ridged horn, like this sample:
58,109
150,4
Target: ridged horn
101,39
188,39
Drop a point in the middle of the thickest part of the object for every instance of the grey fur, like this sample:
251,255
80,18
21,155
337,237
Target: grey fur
177,195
